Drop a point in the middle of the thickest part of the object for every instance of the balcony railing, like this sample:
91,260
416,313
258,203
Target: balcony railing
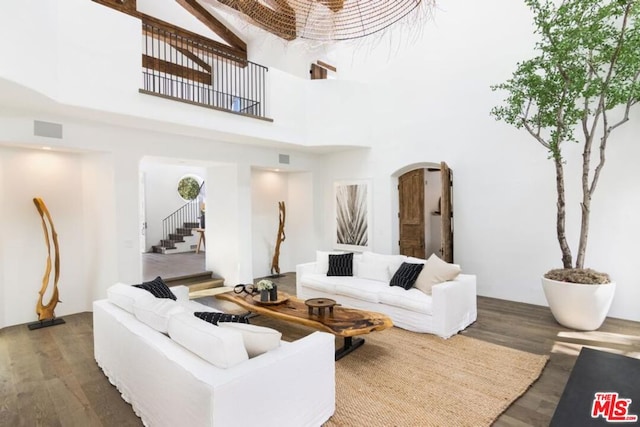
189,70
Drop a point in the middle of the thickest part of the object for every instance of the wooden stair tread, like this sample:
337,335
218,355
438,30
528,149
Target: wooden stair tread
191,279
210,292
199,286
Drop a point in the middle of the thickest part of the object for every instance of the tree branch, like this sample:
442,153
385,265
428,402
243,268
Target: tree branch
587,188
585,112
537,136
590,188
630,102
603,146
612,64
560,69
560,118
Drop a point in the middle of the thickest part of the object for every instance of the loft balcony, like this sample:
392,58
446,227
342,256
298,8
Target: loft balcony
186,67
99,75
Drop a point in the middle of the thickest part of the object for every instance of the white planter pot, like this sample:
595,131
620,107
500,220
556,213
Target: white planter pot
576,306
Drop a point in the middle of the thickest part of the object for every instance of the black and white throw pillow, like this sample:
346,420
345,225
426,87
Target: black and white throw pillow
340,265
214,317
158,288
406,275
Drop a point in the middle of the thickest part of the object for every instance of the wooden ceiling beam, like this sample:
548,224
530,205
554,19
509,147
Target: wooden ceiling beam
201,43
204,16
125,6
215,48
176,70
195,49
327,66
280,21
192,56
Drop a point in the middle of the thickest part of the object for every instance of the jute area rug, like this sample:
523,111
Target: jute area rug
401,378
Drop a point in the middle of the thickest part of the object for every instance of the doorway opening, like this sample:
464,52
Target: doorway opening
425,210
172,201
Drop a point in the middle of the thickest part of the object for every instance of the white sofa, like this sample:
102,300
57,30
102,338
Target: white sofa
449,309
168,385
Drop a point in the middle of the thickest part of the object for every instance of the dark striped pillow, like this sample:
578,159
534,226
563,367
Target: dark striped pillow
406,275
158,288
220,317
340,265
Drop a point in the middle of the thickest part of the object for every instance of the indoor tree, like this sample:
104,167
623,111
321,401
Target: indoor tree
579,88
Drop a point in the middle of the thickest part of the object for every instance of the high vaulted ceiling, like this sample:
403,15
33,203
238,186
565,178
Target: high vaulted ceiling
322,20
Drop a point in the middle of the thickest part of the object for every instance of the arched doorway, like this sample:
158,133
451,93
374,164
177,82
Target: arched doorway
425,210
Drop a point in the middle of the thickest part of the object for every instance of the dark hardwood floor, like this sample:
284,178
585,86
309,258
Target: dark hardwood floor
172,265
48,377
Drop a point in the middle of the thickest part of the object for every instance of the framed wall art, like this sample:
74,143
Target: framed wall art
352,215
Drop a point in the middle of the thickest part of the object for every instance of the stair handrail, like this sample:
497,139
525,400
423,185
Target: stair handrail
189,212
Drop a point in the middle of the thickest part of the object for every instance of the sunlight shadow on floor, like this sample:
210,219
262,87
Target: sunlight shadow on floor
571,342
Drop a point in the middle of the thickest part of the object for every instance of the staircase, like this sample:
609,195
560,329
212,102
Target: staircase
177,228
199,284
182,239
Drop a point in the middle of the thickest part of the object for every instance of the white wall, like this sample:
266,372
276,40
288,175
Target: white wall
296,190
101,74
421,101
162,198
101,68
229,245
171,11
105,178
99,230
17,21
98,76
57,179
435,103
340,112
303,213
267,189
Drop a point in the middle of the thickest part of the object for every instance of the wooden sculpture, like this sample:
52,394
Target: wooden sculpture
275,266
45,312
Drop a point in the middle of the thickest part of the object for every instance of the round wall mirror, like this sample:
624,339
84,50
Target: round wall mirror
188,188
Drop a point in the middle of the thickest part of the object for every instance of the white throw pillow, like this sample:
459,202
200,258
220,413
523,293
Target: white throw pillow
435,271
125,296
221,347
156,313
393,262
322,260
373,271
257,339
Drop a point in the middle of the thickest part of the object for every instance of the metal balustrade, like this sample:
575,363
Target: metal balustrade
185,69
180,222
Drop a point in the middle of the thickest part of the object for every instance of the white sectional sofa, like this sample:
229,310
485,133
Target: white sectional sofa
450,308
169,385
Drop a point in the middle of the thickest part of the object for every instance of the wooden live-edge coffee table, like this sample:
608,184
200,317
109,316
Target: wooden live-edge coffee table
344,322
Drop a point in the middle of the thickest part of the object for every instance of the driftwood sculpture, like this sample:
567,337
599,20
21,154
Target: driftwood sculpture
275,262
46,312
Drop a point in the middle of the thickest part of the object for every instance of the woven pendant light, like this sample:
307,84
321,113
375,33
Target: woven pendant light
326,20
323,20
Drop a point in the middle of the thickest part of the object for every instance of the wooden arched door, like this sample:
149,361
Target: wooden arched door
446,207
411,215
